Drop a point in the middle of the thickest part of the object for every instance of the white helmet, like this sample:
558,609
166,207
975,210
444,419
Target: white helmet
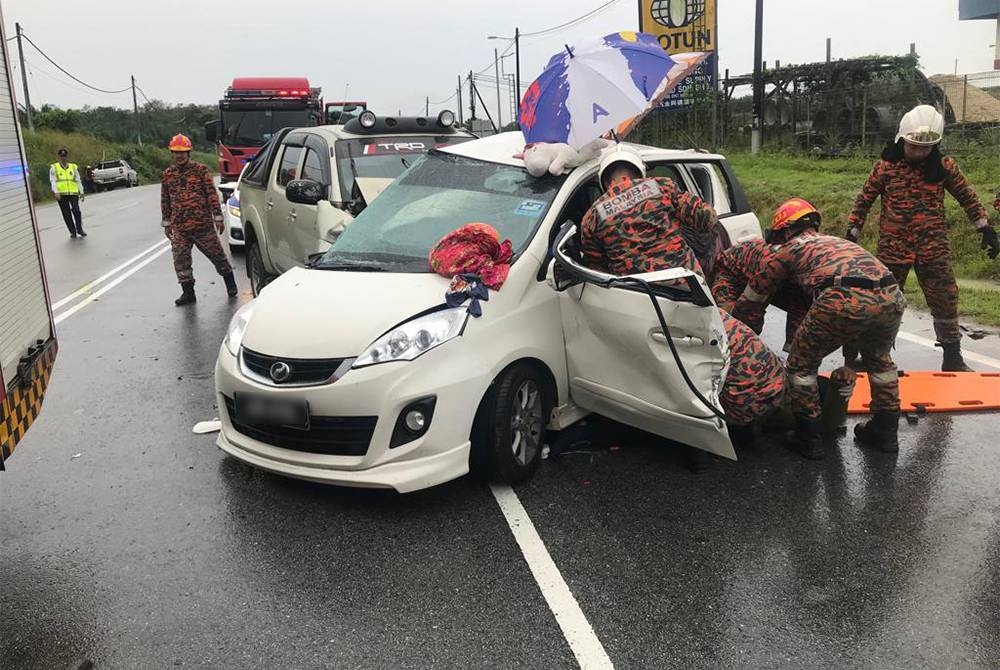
620,153
922,125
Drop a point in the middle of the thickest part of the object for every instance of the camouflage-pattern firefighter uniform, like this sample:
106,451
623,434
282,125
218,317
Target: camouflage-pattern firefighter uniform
755,383
189,204
913,231
866,318
732,272
636,227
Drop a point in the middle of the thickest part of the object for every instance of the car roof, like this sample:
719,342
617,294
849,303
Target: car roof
337,132
502,148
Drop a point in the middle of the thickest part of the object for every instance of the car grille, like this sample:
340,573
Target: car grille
304,370
330,435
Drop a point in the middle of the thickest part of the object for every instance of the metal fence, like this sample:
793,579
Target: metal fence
806,116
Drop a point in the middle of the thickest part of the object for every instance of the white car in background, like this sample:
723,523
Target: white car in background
231,213
353,370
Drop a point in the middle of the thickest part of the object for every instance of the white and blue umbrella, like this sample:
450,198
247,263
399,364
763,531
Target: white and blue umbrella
586,91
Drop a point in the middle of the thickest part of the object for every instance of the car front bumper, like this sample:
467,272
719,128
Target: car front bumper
234,230
382,391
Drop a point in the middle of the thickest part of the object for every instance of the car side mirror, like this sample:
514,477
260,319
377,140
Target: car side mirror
304,191
212,131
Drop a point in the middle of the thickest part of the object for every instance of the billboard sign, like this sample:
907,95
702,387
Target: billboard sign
683,26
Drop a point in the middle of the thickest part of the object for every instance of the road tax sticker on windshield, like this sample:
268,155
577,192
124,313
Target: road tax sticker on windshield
530,208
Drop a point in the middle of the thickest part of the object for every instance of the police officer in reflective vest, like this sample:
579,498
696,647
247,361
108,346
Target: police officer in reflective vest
67,187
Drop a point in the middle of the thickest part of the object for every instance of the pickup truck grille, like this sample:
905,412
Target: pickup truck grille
329,435
304,371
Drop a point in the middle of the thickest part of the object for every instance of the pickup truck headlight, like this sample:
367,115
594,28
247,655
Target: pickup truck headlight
233,205
415,338
237,328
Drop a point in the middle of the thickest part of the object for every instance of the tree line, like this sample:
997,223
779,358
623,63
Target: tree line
158,122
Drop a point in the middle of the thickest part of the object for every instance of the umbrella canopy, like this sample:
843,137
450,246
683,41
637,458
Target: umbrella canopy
588,90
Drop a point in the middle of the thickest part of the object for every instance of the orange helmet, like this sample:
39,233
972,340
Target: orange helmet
791,214
180,143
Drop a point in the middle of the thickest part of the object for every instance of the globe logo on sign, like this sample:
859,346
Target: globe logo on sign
676,13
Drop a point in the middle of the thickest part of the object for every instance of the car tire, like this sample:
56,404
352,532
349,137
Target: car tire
508,433
256,272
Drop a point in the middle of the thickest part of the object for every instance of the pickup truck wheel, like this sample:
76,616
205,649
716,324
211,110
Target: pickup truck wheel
259,277
509,430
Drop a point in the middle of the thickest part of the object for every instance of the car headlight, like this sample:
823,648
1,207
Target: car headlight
414,338
237,328
233,205
234,211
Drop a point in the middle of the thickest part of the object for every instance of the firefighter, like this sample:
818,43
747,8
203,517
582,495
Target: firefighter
192,216
67,187
911,179
637,226
855,301
732,271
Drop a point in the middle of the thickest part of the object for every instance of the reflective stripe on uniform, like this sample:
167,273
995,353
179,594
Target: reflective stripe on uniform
753,296
883,378
804,380
66,178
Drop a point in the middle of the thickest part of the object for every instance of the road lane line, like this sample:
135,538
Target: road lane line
968,355
94,296
110,273
576,629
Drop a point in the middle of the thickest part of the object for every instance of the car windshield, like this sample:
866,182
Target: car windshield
438,194
254,127
382,157
106,165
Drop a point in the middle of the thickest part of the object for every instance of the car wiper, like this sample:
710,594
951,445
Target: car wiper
349,267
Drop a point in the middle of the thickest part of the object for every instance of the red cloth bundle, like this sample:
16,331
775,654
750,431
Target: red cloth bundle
475,248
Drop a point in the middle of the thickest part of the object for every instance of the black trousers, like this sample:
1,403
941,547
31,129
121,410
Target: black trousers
70,207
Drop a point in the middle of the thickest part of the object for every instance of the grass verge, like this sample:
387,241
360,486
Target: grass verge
41,147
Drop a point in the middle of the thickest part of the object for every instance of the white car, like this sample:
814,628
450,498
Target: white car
354,371
108,174
231,213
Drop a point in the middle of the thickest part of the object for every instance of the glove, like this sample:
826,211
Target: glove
853,234
990,242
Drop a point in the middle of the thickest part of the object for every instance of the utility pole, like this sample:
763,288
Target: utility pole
517,66
460,110
135,108
427,106
24,79
496,65
472,97
758,79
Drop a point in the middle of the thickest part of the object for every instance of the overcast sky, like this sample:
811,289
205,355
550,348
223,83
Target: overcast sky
395,52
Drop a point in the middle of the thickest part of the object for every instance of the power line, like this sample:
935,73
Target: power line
71,76
572,22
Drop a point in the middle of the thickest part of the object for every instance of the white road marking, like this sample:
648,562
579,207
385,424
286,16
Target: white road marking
110,273
576,629
966,354
94,296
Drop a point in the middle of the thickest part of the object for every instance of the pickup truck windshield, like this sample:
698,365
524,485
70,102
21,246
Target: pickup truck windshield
382,157
107,165
254,127
439,194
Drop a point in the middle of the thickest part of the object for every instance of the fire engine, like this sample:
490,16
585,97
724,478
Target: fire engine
253,109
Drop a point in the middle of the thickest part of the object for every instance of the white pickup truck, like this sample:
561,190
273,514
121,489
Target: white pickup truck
109,174
306,185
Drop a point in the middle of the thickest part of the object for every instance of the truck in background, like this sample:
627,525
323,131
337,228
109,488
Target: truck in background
253,109
27,332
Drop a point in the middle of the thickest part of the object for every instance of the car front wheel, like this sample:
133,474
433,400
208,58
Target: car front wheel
509,430
256,272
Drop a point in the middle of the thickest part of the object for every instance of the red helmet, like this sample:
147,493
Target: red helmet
180,143
791,214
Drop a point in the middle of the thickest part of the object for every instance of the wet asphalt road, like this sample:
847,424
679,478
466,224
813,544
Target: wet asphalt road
130,541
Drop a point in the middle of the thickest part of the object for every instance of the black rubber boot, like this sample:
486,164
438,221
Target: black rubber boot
852,359
187,294
806,440
231,287
880,432
953,361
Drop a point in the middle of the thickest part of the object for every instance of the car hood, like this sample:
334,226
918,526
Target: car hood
330,314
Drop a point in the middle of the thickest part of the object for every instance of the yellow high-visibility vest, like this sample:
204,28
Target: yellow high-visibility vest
66,178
